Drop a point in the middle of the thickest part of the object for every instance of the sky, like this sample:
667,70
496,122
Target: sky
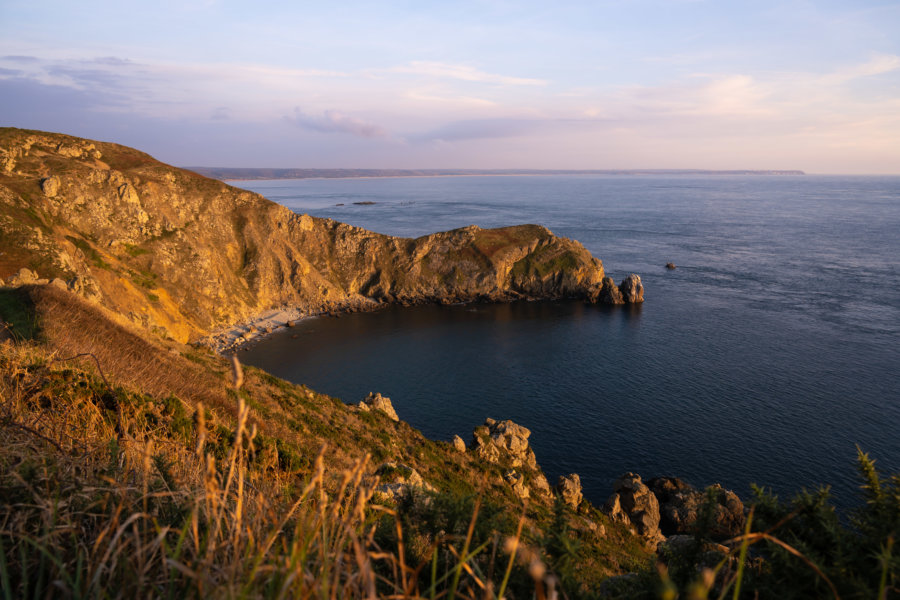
619,84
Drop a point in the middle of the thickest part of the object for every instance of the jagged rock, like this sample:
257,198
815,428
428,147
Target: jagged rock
681,505
540,485
615,512
632,289
50,186
608,293
639,503
399,480
378,402
23,277
504,442
569,488
459,444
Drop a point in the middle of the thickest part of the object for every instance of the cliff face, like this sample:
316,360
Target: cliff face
184,254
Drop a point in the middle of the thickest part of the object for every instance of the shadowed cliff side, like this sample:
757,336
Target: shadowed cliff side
183,255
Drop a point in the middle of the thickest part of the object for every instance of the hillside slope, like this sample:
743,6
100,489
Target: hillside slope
184,255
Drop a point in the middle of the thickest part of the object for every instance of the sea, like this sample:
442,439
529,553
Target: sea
769,356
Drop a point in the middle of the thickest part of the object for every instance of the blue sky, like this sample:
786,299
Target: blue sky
471,84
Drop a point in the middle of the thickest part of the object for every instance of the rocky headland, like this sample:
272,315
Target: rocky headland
187,256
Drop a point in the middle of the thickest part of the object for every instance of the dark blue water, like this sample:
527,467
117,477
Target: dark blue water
766,357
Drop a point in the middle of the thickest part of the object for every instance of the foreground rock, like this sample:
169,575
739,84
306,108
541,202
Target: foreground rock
681,507
633,503
569,489
506,443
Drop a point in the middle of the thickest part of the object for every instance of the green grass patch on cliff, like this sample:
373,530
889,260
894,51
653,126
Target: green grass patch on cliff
89,251
544,261
17,312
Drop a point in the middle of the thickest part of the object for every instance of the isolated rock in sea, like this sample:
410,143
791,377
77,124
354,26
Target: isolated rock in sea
504,442
632,289
639,503
569,488
378,402
608,293
680,507
459,444
670,265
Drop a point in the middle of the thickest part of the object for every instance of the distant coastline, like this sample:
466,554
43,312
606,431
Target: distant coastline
248,174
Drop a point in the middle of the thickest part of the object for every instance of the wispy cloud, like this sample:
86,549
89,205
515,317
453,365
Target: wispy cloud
332,121
441,70
877,65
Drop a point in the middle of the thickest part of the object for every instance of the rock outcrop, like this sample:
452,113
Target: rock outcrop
634,503
187,255
681,508
506,443
378,402
569,489
632,289
398,480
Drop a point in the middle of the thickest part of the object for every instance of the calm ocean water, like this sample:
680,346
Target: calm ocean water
766,357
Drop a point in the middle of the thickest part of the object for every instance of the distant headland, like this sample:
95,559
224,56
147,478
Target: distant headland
236,174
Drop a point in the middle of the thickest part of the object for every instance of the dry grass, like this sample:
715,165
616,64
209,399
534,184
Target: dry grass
102,506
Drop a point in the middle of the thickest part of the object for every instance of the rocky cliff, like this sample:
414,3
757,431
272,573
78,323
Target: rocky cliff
184,255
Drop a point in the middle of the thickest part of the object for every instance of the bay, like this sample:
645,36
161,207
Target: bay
767,356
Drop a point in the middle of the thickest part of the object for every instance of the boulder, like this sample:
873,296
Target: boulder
459,444
378,402
569,489
50,186
638,502
59,283
632,289
681,506
670,265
